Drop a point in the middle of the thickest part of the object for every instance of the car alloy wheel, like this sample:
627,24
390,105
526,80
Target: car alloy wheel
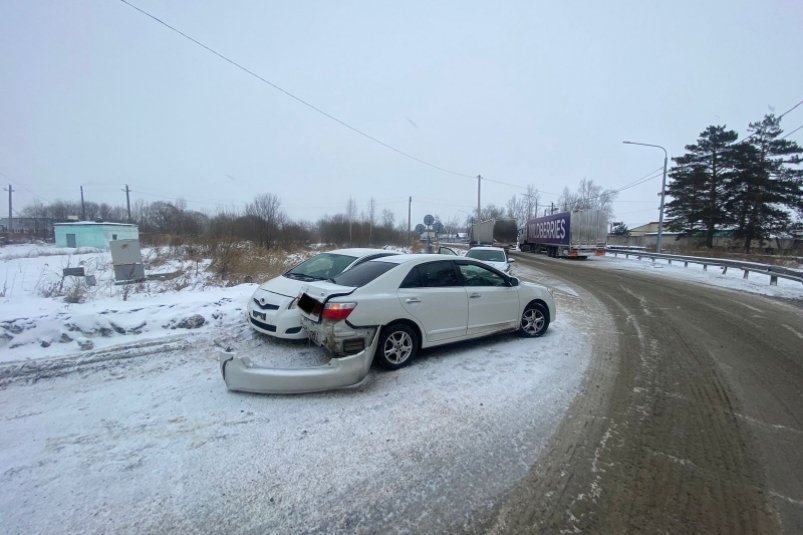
534,320
397,346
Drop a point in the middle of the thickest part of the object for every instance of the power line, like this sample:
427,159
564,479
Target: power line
296,98
641,180
790,109
792,132
19,184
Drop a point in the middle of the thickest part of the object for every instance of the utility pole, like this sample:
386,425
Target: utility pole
479,209
10,190
128,202
83,207
409,212
663,191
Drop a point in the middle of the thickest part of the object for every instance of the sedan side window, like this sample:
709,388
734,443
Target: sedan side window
479,276
432,275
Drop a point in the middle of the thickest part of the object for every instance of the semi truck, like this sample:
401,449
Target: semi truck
576,234
501,232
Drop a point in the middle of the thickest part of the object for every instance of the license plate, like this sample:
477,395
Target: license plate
310,305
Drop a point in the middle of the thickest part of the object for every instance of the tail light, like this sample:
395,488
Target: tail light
337,311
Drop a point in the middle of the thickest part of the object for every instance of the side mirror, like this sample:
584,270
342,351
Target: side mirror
511,260
513,281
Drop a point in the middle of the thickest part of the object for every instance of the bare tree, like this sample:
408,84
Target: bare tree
388,218
267,216
452,226
588,195
491,211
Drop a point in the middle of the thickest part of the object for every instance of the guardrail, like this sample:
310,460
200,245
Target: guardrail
773,271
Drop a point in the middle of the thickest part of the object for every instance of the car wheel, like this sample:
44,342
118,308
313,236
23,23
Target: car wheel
534,320
398,344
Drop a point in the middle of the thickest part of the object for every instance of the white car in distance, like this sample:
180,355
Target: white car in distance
493,256
272,308
400,304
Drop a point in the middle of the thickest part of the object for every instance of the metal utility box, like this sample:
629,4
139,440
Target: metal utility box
127,260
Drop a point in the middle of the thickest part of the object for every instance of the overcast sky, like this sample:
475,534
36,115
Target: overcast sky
95,93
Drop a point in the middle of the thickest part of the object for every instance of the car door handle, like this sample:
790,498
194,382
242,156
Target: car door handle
412,300
475,295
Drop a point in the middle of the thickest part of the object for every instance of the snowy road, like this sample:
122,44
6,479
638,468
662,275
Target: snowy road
154,443
691,418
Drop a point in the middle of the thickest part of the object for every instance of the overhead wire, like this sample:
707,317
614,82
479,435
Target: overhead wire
295,97
790,109
792,132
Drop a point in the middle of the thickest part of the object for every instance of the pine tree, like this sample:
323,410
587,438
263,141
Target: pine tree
768,182
700,183
620,229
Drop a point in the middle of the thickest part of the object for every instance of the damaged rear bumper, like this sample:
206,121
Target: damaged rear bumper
242,374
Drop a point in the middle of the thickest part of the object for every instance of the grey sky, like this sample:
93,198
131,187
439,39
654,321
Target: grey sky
539,93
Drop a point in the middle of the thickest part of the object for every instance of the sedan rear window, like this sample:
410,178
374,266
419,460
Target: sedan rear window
487,255
363,274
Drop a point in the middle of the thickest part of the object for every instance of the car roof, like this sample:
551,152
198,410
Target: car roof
484,248
359,252
412,257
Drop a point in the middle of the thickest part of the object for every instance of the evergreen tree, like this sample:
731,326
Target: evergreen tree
768,182
620,229
700,183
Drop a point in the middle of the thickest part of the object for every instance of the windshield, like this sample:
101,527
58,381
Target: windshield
486,254
321,267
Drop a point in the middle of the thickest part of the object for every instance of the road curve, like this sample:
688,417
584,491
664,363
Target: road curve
691,419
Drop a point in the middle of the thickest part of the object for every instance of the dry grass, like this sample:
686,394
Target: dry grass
76,291
237,262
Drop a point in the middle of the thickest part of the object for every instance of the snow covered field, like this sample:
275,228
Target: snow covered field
139,434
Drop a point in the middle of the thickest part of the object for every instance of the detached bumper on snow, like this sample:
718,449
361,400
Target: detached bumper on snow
243,375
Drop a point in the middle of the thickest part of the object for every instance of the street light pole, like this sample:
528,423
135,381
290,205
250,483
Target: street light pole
663,192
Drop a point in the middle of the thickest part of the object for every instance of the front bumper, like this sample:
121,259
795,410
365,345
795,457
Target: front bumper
275,318
243,375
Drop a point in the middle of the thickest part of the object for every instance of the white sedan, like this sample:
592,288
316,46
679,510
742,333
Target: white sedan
272,308
493,256
387,309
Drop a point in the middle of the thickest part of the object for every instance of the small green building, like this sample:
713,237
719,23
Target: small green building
93,234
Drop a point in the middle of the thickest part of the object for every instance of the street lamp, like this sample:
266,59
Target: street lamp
663,192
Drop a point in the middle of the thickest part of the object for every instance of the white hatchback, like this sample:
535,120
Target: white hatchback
272,308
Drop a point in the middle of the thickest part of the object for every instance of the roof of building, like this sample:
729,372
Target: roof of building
94,224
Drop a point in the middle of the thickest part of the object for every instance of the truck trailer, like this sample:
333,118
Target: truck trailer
576,234
500,232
